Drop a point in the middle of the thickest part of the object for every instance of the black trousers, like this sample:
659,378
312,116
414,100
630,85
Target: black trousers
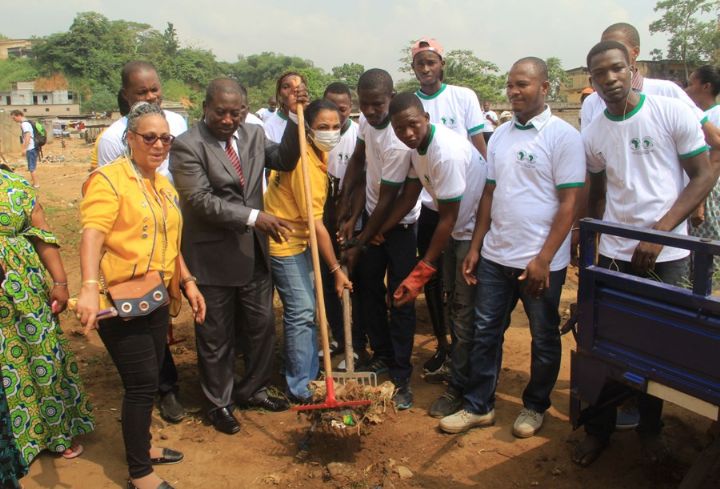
434,288
233,311
137,347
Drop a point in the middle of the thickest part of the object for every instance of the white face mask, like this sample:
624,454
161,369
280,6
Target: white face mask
325,140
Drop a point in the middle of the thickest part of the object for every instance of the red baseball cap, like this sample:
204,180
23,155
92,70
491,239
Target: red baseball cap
427,44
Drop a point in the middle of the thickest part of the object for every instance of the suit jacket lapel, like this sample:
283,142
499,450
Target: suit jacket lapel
219,154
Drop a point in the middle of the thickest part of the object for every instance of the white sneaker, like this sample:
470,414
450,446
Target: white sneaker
463,420
527,423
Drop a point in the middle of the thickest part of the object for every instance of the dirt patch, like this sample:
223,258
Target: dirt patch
405,451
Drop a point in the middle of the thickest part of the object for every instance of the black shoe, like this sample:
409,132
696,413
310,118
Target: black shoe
449,403
170,408
403,397
267,402
375,364
163,485
441,375
169,457
436,362
223,421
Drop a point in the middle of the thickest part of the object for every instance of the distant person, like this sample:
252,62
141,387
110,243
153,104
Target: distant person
703,88
648,167
268,111
491,121
458,109
141,83
520,248
27,140
124,108
276,122
339,94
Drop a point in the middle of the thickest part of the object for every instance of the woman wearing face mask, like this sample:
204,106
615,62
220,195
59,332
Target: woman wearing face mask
291,261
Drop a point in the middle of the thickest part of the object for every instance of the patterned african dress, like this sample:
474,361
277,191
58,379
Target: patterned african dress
12,465
48,406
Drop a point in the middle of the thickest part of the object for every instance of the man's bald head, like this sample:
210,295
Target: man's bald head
538,65
629,32
224,86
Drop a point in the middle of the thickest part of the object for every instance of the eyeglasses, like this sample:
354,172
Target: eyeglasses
150,139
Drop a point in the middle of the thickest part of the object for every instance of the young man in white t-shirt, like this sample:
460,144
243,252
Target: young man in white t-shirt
339,94
626,34
266,112
453,173
639,152
388,164
276,122
458,109
491,121
27,139
536,170
140,83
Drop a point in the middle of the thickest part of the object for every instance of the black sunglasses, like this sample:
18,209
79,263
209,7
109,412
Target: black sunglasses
150,139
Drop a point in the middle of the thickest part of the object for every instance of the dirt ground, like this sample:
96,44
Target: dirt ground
406,451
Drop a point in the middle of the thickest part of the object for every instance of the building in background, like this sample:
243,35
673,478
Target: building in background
15,48
41,98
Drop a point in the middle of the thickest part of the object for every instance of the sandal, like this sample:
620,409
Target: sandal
73,452
588,450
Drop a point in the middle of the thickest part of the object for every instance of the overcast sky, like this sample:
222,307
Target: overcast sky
369,32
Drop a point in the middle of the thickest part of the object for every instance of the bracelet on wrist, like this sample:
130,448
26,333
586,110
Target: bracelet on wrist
90,282
335,268
190,278
60,284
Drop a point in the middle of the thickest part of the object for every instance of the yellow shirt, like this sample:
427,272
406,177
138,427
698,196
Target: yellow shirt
132,219
285,198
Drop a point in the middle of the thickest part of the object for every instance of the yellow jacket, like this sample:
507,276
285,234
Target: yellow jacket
132,219
285,198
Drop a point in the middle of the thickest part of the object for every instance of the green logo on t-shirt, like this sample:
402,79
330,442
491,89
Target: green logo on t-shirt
448,121
642,145
525,158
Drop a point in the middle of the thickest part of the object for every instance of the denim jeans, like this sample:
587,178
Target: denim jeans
461,305
391,341
293,278
649,407
496,293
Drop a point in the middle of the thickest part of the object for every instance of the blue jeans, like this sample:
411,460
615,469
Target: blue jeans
497,291
293,278
31,156
391,341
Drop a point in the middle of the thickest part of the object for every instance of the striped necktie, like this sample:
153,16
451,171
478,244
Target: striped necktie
235,160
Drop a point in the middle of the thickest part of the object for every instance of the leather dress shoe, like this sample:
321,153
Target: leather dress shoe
169,457
267,402
224,421
170,408
163,485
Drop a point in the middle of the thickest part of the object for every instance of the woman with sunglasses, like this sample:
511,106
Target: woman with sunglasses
132,227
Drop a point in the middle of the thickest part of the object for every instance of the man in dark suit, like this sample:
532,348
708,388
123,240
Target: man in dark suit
218,169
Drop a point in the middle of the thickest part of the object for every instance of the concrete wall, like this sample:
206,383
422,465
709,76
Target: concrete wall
60,110
10,134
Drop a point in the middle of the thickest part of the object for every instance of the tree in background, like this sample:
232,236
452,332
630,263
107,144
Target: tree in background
348,73
693,29
557,78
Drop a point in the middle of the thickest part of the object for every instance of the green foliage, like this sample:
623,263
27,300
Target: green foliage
693,29
99,99
557,77
16,69
348,73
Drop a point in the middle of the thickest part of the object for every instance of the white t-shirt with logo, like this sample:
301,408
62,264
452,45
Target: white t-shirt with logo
111,145
456,108
275,126
490,116
450,170
640,154
388,162
26,126
339,157
529,164
594,106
